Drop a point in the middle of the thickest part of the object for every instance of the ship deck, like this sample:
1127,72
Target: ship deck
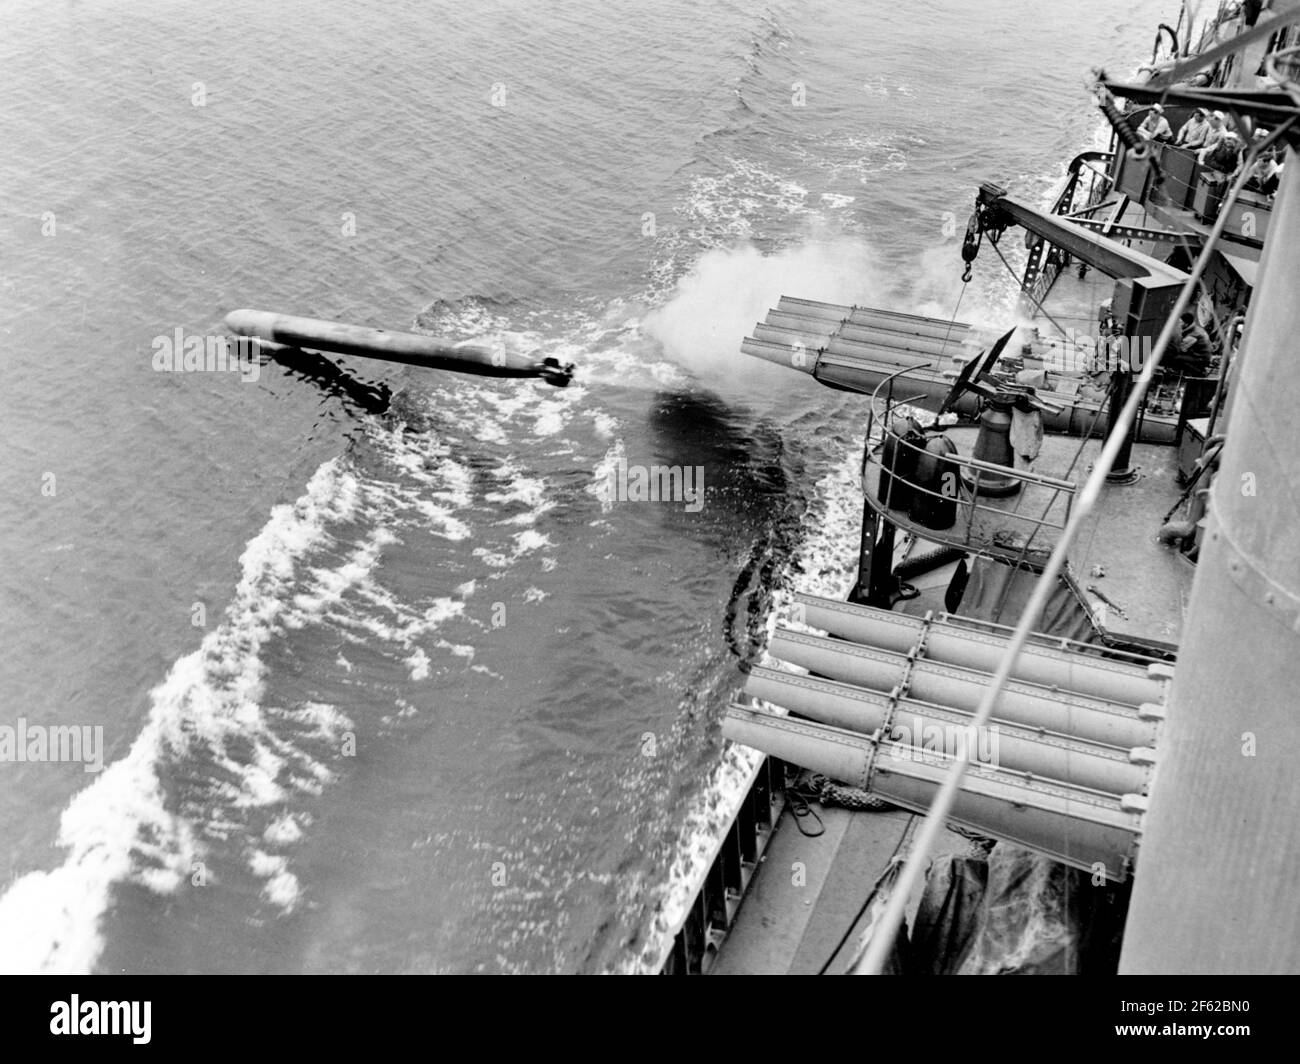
805,914
1147,583
806,919
808,910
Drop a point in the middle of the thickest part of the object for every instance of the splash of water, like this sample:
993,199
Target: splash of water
716,304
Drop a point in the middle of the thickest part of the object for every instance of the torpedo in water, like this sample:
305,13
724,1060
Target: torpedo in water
412,349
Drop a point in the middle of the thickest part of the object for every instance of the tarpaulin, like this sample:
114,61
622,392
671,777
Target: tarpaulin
999,593
1016,913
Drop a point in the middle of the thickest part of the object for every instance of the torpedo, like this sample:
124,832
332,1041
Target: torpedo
412,349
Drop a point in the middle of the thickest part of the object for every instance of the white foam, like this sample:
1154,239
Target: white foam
460,650
521,490
332,584
530,540
322,720
729,289
442,521
826,569
283,831
602,476
550,421
120,827
281,887
836,200
434,489
404,710
418,663
409,624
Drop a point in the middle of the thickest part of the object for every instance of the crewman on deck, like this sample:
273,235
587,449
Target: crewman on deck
1193,350
1155,126
1194,130
1218,127
1265,174
1223,154
1218,164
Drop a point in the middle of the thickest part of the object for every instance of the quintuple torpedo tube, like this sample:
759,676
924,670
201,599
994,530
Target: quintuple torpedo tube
887,705
412,349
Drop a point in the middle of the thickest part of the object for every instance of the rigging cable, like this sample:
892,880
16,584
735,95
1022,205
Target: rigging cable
953,320
866,902
1037,305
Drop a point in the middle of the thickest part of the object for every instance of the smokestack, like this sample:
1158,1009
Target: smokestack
1220,850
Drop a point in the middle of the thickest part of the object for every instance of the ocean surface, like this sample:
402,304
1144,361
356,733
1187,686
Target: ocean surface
387,680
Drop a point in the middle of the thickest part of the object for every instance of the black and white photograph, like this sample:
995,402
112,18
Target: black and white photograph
556,487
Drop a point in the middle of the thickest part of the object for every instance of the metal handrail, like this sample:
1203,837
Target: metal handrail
1060,642
976,465
1026,475
973,505
889,400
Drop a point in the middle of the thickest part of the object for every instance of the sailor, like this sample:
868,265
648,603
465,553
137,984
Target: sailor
1236,330
1265,174
1194,130
1193,350
1218,127
1155,126
1218,164
1223,154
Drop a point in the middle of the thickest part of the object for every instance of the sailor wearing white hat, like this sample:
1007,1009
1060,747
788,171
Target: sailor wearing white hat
1218,127
1194,130
1155,126
1218,164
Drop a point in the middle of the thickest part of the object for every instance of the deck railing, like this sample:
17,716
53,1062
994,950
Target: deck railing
966,498
1086,186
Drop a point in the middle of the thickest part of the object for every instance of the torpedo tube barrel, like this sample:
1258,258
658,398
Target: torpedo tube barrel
944,642
1014,746
412,349
856,348
1035,706
1075,825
